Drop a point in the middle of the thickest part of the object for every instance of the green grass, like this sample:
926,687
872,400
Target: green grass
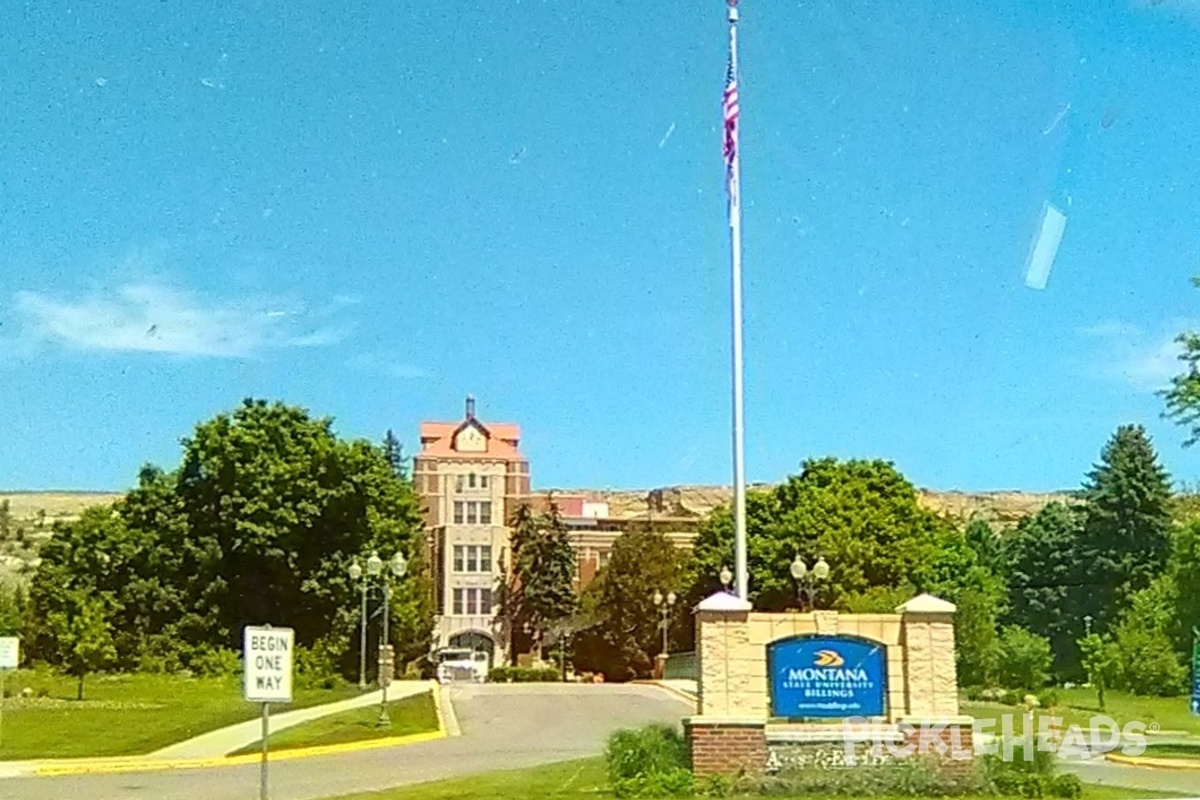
415,714
125,714
1078,706
1173,750
585,780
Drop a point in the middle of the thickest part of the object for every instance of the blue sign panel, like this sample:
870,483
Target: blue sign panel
827,676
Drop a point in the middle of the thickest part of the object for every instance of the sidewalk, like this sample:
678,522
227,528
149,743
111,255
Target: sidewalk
215,744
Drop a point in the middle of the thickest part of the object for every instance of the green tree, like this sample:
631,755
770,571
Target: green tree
83,633
538,589
980,604
258,524
1185,570
1127,524
1024,659
12,610
1182,397
393,451
862,516
987,544
1047,582
1147,663
1099,661
624,632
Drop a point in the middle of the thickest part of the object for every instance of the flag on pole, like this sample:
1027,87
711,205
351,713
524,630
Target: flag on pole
730,111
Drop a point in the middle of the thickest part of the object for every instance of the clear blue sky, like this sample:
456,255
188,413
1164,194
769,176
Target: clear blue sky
372,209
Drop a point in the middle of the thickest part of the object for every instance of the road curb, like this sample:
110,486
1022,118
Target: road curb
447,719
689,698
1153,763
98,766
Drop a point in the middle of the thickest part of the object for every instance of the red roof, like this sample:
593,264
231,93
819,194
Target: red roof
437,439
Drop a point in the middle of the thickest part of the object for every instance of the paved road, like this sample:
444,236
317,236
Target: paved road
1099,771
503,726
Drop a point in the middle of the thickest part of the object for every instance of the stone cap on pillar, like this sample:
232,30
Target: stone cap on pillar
927,604
724,603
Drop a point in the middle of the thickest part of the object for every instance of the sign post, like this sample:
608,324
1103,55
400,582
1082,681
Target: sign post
267,668
10,657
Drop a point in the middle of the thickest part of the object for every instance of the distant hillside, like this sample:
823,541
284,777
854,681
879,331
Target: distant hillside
1002,508
32,514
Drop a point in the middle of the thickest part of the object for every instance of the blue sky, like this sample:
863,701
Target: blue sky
372,209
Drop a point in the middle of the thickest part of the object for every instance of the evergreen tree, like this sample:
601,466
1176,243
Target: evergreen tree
1127,525
393,451
1049,589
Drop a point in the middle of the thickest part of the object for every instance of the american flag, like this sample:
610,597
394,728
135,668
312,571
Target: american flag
730,110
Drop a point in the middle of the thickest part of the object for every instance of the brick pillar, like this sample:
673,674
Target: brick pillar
726,747
927,634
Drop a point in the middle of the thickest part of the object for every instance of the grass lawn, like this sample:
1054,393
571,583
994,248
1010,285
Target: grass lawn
125,714
415,714
1078,706
585,780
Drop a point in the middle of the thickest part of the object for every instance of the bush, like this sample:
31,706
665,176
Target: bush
1048,698
1025,658
642,762
215,662
678,782
911,777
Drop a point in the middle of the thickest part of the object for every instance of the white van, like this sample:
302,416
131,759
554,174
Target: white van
461,664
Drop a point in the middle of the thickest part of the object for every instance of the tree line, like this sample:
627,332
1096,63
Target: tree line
268,507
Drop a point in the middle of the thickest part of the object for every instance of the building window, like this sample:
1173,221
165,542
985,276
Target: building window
602,558
485,512
485,601
471,481
483,481
472,513
473,558
458,601
458,484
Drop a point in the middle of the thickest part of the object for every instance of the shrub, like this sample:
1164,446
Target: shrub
912,777
215,662
1066,785
1048,698
1025,658
654,753
678,782
523,675
500,674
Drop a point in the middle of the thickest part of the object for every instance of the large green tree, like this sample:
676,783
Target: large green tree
624,632
1127,523
537,591
1147,663
1049,585
258,524
1182,397
862,516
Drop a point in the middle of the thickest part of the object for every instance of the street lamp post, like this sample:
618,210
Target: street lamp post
808,583
356,576
398,567
664,606
726,577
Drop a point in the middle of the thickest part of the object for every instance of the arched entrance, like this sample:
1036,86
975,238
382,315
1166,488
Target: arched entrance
476,641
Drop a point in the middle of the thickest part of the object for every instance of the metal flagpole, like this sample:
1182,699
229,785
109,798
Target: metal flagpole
732,114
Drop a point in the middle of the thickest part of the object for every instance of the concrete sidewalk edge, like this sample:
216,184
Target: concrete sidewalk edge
98,766
682,695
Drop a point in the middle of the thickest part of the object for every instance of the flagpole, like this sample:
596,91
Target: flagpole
735,228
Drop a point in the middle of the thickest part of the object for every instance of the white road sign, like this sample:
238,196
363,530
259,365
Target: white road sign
10,652
268,664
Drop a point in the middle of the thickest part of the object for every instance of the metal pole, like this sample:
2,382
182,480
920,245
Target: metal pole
266,733
362,645
739,447
665,617
384,721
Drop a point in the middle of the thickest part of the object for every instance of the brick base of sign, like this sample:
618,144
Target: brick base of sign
726,748
953,744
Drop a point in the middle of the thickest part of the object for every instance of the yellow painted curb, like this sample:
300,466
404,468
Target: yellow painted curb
97,766
1154,763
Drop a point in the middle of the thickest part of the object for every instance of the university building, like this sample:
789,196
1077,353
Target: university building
471,477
